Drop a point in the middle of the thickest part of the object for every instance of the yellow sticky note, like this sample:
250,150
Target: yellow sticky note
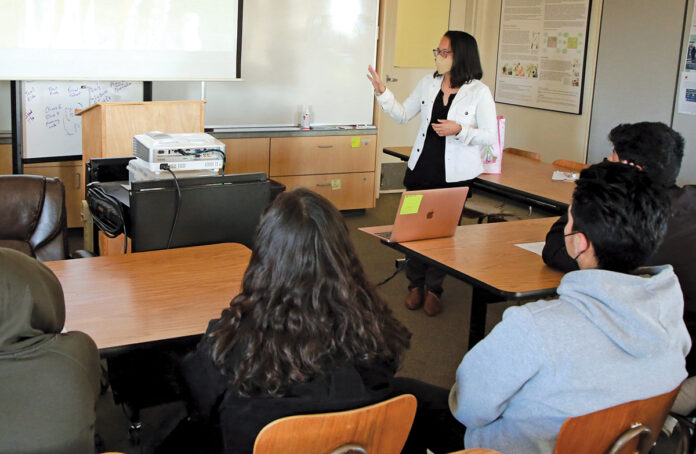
411,204
335,184
355,142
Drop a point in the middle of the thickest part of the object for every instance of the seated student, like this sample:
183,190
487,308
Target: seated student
49,382
307,334
658,150
614,334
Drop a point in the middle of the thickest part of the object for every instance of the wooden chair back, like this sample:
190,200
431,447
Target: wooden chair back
380,428
527,154
570,165
597,432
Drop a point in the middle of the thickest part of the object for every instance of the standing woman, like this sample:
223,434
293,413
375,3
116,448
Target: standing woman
457,119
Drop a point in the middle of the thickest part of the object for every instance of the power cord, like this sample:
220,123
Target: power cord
107,213
178,202
400,266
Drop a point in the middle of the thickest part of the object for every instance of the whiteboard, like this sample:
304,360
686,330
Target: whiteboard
51,128
294,52
119,40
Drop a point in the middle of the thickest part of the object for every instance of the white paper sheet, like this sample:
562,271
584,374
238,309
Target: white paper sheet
532,247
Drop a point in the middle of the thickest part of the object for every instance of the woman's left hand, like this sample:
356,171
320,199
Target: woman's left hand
446,128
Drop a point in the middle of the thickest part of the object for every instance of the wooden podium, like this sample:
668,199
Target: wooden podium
108,129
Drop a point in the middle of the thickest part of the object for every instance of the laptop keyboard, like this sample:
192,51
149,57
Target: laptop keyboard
385,235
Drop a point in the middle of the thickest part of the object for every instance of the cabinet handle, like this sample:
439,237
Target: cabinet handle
77,181
323,184
325,146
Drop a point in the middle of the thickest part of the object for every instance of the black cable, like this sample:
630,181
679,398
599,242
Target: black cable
178,203
399,268
97,196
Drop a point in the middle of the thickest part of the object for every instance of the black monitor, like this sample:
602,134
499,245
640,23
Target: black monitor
214,209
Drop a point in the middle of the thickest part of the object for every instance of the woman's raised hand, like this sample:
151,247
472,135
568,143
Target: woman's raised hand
376,80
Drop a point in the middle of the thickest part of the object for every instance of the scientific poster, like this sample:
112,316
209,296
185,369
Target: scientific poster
541,53
687,84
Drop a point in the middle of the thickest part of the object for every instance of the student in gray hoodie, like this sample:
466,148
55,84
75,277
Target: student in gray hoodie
49,380
615,334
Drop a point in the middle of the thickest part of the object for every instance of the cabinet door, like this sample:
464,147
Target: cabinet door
326,154
247,155
70,173
347,191
5,159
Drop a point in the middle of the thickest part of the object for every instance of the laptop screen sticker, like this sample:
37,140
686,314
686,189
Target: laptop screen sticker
411,204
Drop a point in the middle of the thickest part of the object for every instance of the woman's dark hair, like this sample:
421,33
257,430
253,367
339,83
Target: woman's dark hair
622,212
305,305
466,64
654,146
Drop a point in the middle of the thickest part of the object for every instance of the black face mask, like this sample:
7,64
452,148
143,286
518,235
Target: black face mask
575,259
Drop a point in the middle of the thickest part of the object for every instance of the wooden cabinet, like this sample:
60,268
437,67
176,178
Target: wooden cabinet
70,173
5,159
341,168
347,191
247,155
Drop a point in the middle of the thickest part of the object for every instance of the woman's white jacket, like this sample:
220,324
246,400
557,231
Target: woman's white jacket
472,107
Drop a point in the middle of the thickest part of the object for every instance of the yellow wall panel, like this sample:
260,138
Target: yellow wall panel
419,28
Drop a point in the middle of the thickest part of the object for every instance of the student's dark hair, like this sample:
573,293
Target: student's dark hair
622,212
654,146
305,304
466,64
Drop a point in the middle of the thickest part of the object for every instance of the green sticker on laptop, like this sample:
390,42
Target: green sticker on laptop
411,204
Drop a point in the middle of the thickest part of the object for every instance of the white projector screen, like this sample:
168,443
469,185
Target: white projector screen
119,39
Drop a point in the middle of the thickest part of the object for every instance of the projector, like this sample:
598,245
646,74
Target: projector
184,151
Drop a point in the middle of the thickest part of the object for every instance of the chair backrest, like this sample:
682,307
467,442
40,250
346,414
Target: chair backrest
527,154
596,432
33,217
380,428
570,165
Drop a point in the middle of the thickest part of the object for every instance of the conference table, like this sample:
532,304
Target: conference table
147,297
522,179
486,256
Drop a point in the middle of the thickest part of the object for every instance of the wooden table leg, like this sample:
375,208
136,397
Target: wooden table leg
480,299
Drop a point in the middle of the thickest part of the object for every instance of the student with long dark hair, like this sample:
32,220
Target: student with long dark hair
457,119
307,333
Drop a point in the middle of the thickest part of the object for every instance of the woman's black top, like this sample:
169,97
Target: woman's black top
238,419
429,172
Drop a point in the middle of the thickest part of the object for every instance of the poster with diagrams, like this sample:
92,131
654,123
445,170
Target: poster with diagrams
541,53
687,84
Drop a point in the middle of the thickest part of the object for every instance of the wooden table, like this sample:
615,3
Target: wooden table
485,256
522,179
529,181
402,153
144,297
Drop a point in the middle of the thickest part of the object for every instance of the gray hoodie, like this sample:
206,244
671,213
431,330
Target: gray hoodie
49,382
609,338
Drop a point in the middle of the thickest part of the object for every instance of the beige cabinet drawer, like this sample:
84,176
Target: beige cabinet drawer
329,154
70,173
347,191
247,155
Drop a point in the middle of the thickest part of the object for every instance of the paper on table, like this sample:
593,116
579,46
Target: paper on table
532,247
564,176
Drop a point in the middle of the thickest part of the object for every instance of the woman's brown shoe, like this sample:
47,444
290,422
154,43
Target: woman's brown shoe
414,300
432,305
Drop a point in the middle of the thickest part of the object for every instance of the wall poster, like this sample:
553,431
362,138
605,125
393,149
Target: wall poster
541,53
687,85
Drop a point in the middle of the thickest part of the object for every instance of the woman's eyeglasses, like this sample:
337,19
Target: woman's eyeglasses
443,52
